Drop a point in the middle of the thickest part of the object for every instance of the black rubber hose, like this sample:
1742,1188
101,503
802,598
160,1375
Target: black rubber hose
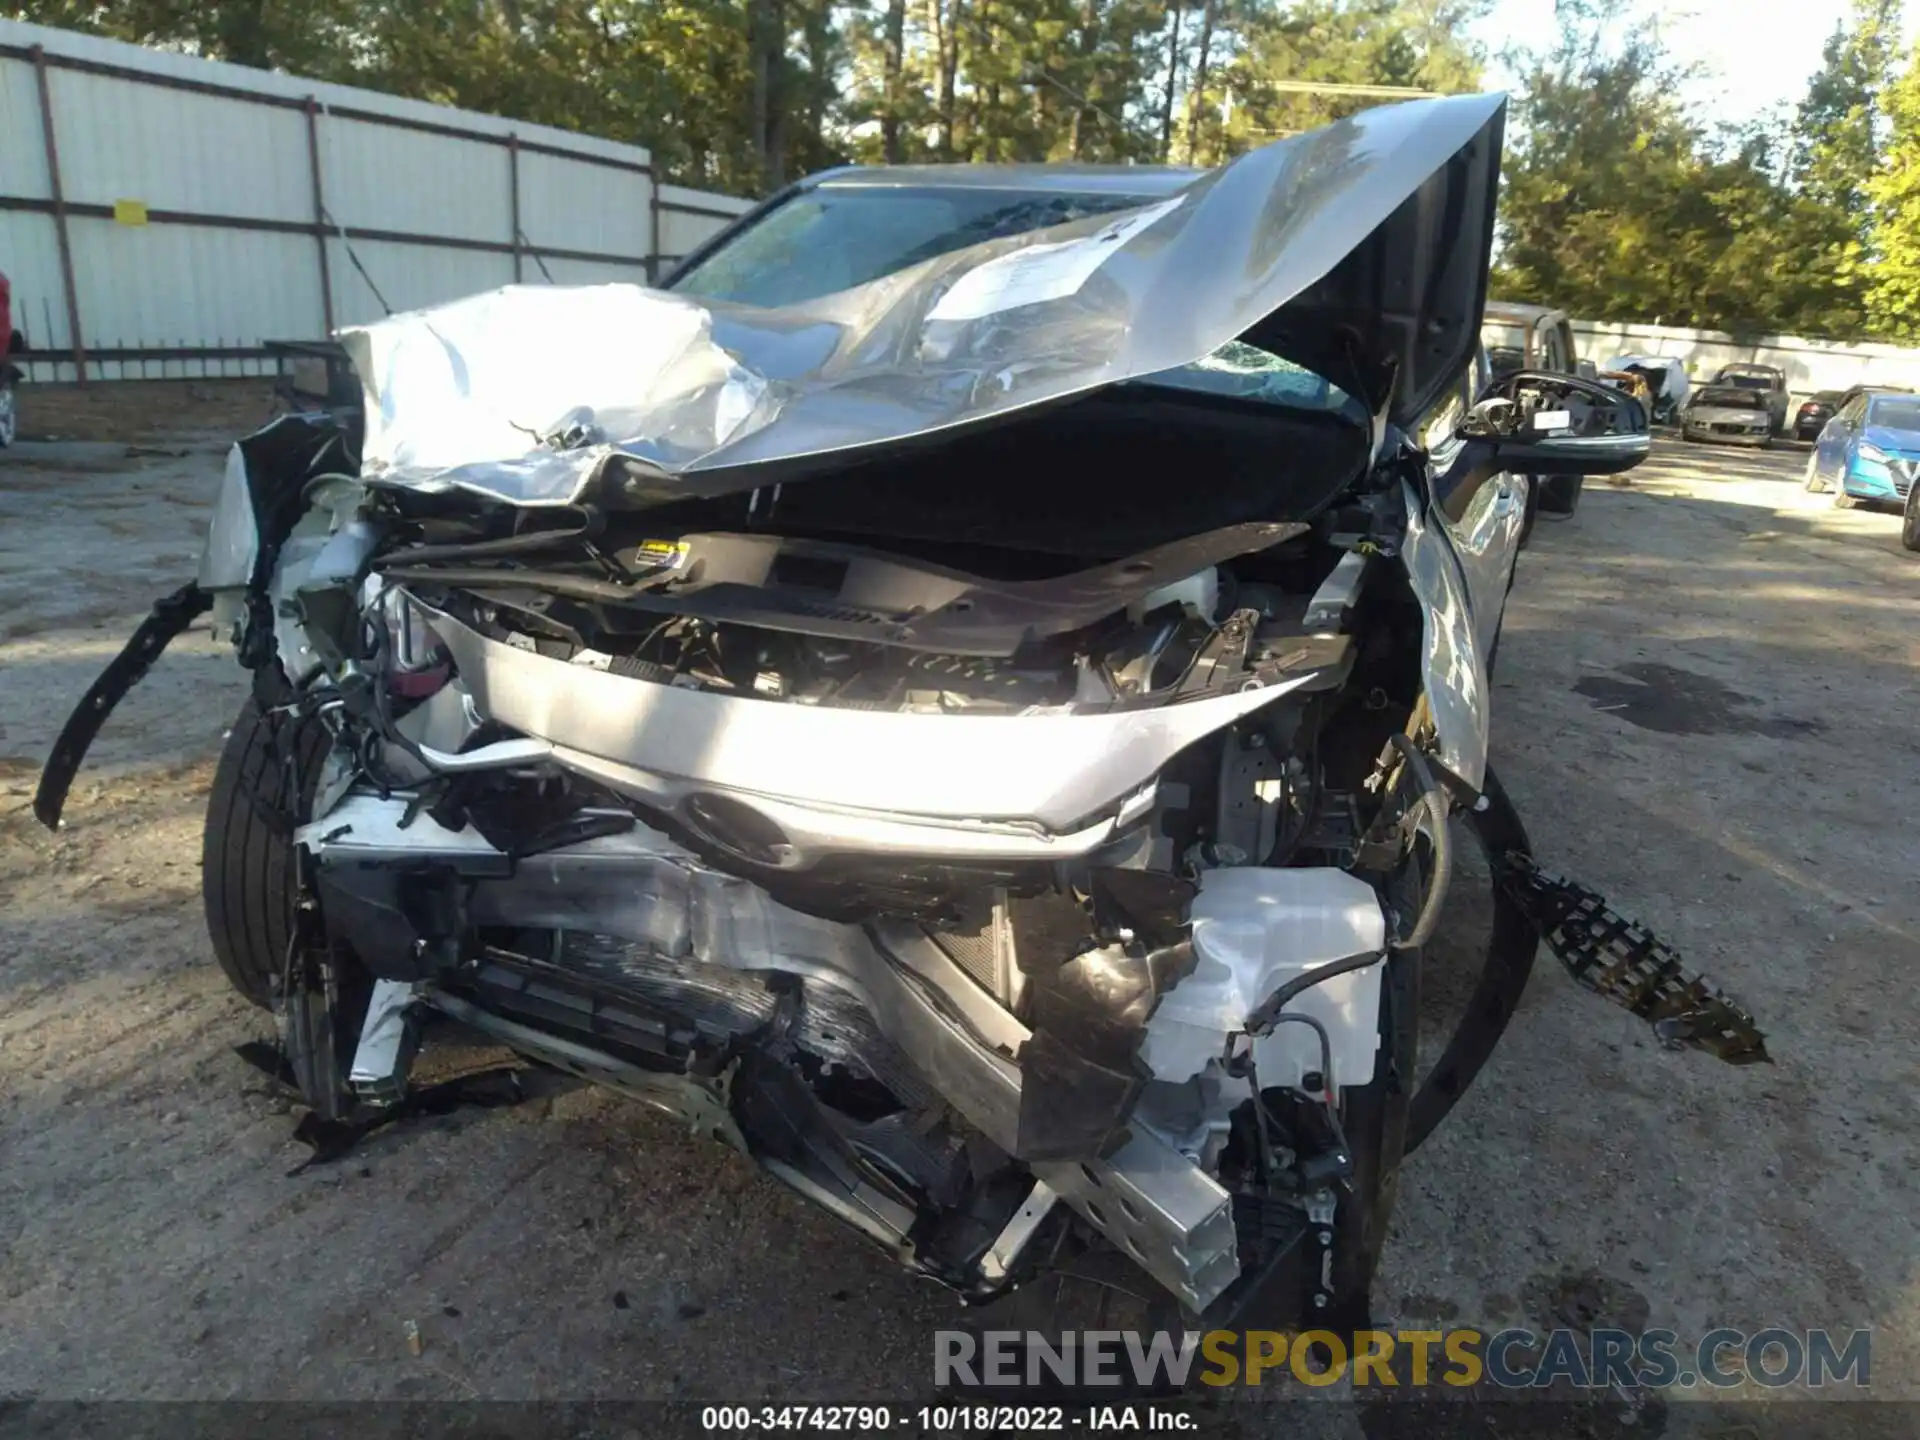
1268,1014
1503,978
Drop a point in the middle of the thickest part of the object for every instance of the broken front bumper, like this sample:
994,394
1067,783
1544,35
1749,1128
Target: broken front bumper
1149,1199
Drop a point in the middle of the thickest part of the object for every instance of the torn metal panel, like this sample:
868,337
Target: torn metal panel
1451,659
1358,250
964,784
171,615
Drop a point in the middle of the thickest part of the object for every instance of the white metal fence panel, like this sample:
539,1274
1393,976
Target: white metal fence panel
410,277
381,177
688,217
584,207
165,214
1810,365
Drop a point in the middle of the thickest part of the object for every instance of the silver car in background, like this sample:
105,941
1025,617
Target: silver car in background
1727,414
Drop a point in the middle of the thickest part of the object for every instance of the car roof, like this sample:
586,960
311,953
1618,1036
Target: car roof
1142,180
1750,368
1515,311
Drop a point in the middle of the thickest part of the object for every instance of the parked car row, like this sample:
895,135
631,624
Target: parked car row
1821,407
1866,438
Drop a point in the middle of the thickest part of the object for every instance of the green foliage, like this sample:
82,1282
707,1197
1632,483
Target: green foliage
1617,204
743,95
1620,206
1893,287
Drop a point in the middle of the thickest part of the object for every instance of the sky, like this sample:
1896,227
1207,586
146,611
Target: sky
1755,53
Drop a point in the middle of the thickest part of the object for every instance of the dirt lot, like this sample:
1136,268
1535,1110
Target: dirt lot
1705,708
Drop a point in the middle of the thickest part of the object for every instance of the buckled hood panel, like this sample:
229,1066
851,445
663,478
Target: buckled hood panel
1358,250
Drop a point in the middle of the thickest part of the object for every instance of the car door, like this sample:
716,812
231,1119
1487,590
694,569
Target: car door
1830,450
1552,355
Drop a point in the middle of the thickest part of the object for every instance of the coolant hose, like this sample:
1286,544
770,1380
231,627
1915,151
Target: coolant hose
1434,798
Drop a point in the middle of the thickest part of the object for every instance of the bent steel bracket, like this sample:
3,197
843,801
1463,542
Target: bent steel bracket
171,615
1623,961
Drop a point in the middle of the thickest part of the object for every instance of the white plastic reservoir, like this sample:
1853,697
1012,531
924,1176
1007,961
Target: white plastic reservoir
1254,929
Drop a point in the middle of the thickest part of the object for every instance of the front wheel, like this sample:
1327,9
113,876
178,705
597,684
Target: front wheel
246,871
1560,495
1910,523
9,413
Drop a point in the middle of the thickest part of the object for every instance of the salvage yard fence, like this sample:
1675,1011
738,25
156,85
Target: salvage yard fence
165,216
1809,365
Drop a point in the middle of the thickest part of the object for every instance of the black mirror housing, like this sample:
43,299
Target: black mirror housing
1537,422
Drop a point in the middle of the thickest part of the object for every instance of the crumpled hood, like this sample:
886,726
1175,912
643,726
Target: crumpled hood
1358,250
1891,440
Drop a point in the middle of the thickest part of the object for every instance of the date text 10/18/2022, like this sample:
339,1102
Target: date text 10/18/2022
980,1419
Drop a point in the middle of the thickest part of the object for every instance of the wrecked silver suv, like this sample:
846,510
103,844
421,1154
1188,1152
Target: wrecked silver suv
960,695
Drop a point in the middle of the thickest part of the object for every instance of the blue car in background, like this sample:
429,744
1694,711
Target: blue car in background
1870,450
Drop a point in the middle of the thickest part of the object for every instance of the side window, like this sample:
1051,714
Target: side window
1851,412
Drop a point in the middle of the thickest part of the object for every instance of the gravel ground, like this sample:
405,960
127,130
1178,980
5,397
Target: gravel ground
1704,708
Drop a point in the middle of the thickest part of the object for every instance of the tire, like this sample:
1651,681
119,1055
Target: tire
1910,521
1375,1117
246,875
1512,943
9,413
1533,512
1560,495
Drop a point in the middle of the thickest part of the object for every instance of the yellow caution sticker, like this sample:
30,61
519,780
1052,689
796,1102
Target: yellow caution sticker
661,554
130,212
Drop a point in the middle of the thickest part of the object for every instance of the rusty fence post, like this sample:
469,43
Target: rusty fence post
653,220
60,216
319,213
513,198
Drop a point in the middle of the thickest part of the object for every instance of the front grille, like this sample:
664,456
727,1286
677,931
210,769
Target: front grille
974,951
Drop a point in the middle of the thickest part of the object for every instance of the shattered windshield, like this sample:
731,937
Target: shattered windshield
834,238
1240,371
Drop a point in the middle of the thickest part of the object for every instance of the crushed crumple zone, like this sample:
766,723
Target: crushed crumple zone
997,775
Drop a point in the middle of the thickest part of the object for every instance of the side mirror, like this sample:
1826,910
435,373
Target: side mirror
1537,423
